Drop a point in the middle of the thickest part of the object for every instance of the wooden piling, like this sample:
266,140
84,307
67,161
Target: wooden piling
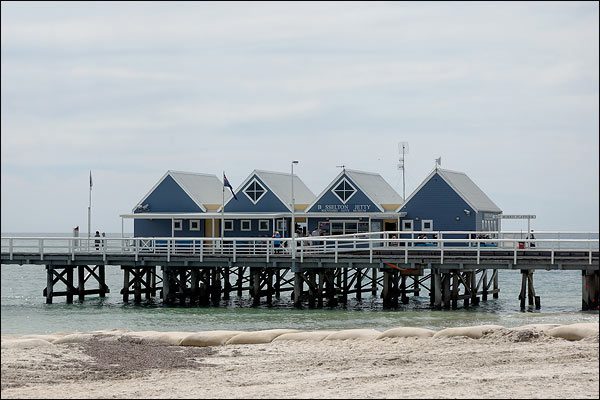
298,287
484,285
49,283
590,290
70,283
358,284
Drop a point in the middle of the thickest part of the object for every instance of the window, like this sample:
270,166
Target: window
427,225
254,191
228,225
246,225
281,225
344,190
194,224
407,225
263,225
177,225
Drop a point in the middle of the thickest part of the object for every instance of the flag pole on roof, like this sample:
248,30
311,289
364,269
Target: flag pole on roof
90,212
438,162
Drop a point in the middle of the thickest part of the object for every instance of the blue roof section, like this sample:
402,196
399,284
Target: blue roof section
269,202
329,202
463,186
168,196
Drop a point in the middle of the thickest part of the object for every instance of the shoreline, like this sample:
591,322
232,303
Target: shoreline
468,362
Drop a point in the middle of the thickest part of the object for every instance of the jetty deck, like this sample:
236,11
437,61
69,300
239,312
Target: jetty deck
451,266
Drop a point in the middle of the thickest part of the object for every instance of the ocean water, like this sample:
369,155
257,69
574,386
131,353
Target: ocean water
23,308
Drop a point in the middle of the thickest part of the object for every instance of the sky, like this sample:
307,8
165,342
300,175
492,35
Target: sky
506,92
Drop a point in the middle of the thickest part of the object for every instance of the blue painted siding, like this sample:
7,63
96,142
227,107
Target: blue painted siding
329,202
254,232
439,202
168,196
162,228
268,203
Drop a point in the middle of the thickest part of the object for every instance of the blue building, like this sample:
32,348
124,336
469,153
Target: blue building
180,204
355,202
449,201
264,205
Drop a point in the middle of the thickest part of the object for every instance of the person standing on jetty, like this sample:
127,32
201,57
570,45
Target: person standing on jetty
97,241
276,243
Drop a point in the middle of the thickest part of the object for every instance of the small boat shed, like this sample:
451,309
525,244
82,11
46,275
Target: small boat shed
180,204
264,205
449,201
355,202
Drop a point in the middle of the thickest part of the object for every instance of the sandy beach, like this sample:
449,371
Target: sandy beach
501,363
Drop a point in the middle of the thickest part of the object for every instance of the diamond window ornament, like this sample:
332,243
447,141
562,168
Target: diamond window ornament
344,190
255,191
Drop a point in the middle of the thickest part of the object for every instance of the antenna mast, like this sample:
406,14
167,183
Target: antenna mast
403,150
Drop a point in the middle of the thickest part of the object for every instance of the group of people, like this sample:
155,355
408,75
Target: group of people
99,242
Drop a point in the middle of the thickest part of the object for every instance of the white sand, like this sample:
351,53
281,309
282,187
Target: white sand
515,363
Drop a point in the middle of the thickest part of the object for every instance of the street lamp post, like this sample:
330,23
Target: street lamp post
293,227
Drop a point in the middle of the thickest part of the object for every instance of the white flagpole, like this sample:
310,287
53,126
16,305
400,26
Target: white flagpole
223,209
90,213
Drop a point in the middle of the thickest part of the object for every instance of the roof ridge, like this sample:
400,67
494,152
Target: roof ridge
274,172
362,172
191,173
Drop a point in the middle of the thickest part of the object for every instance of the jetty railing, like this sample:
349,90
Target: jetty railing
397,244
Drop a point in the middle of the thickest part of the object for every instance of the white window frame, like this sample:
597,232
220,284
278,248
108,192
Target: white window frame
261,222
424,221
177,222
244,221
250,184
230,223
349,184
281,225
192,221
412,225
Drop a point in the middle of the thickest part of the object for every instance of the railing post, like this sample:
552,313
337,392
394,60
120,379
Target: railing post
10,248
201,250
302,251
336,250
234,249
515,244
135,248
41,249
406,253
441,250
370,250
169,249
478,248
104,244
268,249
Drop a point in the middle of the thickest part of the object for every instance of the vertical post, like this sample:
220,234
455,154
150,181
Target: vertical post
69,284
590,290
166,291
298,287
138,275
126,285
446,290
240,280
148,282
474,298
49,283
495,278
293,227
102,276
89,214
455,289
523,294
226,284
81,282
374,281
484,285
358,284
437,287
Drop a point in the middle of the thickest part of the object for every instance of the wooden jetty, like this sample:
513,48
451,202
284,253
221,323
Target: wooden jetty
318,272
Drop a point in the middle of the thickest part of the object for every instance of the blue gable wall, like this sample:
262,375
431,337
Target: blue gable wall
170,197
329,202
162,228
268,203
437,201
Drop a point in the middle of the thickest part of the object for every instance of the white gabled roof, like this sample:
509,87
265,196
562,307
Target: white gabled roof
202,188
372,185
464,187
280,184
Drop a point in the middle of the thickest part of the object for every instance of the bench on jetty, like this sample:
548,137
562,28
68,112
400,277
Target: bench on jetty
316,270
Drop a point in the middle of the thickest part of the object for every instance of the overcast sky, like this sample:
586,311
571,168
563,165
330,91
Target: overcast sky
505,92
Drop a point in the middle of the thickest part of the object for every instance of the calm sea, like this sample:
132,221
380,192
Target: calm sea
23,308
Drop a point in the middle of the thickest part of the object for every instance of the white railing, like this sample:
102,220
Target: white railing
399,244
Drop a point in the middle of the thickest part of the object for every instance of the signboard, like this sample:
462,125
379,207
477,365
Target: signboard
508,216
344,208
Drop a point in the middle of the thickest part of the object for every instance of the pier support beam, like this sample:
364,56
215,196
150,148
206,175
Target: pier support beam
528,293
590,290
